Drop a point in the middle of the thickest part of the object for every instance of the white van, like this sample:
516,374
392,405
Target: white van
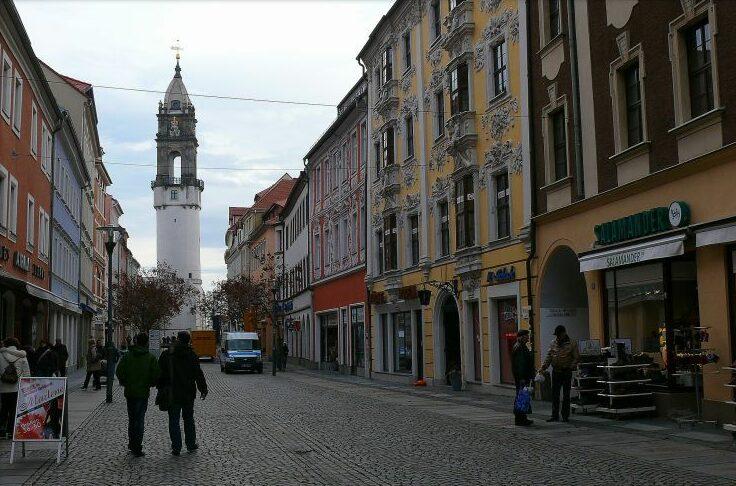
240,351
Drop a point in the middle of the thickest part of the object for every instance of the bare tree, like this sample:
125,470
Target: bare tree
151,298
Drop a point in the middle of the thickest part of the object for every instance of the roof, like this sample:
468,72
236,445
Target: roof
278,192
378,27
81,86
177,91
236,211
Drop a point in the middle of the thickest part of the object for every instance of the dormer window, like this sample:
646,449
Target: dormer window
176,105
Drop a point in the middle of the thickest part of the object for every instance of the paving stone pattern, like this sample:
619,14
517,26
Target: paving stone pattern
301,428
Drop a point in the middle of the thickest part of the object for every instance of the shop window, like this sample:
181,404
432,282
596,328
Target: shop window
357,321
384,342
402,342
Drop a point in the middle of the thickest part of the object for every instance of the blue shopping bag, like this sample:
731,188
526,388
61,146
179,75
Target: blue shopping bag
523,401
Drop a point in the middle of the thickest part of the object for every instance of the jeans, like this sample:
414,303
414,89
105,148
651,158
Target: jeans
95,380
561,380
186,410
7,411
136,420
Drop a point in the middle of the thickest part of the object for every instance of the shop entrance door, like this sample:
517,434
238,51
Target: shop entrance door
451,324
507,328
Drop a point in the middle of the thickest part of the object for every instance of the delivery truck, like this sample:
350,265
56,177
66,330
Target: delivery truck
204,343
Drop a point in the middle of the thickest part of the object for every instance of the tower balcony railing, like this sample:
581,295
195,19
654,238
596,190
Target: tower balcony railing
166,181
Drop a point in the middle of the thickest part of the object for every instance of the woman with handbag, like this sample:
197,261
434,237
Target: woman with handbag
13,366
522,365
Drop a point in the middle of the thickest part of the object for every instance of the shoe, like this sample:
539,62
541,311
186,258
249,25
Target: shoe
138,453
175,453
193,448
553,419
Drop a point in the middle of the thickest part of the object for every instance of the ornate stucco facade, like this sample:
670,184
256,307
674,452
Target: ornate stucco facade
448,185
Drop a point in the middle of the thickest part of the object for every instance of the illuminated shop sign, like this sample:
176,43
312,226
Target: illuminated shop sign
649,222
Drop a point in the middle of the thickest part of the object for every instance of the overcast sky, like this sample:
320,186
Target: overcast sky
301,50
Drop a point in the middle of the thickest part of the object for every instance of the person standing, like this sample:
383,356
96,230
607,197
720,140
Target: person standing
137,372
522,366
563,356
284,355
93,366
63,354
13,366
48,362
180,369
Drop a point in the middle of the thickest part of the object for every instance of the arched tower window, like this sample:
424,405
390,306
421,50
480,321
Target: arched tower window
176,164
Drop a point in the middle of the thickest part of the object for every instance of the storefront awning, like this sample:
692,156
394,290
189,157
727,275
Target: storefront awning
44,294
716,236
627,255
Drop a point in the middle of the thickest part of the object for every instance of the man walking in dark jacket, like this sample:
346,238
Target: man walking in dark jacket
522,366
137,372
63,354
180,369
48,362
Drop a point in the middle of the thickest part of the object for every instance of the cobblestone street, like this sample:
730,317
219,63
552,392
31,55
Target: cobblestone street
304,428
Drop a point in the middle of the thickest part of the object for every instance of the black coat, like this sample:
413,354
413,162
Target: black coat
187,374
48,362
522,363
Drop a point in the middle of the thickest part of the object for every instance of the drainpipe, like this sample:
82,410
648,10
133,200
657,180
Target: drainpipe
367,313
532,182
577,135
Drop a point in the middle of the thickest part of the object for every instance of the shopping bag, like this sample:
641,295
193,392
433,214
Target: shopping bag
523,401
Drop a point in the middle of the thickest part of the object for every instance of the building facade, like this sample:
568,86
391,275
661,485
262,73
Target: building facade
177,193
70,176
336,171
295,294
448,172
633,151
28,118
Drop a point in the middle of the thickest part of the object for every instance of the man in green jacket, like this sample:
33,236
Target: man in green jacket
137,372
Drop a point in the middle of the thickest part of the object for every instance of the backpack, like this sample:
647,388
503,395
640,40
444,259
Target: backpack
10,374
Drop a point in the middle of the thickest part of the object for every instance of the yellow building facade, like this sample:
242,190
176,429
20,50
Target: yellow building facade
448,190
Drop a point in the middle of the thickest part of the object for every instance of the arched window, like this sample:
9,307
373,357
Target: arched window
176,105
176,159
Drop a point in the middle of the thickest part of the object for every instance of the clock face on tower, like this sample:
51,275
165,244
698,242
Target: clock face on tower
174,127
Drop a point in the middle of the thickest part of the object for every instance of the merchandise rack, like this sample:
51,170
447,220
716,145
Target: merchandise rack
730,427
587,388
638,401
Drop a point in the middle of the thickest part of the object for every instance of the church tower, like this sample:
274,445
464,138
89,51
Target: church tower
177,193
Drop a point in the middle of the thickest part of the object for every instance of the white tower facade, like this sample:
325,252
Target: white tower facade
177,193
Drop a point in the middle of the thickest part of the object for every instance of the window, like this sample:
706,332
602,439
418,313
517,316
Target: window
402,342
3,198
465,212
363,144
436,20
317,183
632,88
500,70
554,18
328,183
34,129
439,102
317,253
459,99
699,45
46,148
44,233
387,145
354,152
17,102
377,156
409,121
6,82
387,67
444,228
328,249
503,222
414,234
344,238
174,194
354,232
559,144
389,242
13,207
407,49
31,222
380,242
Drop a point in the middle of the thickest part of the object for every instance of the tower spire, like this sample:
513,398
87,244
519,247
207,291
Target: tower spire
177,47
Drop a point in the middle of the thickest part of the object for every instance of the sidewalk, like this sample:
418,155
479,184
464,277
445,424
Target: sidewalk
700,448
82,404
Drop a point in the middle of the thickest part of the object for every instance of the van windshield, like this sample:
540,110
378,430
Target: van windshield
243,344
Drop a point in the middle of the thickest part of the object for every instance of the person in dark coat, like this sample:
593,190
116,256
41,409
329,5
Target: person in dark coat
180,369
284,355
522,366
47,363
32,358
63,354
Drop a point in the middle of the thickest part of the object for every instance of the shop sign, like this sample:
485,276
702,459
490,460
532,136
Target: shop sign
651,221
38,271
21,261
408,293
505,274
40,409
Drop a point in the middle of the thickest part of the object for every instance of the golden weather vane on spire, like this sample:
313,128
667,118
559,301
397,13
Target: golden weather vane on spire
177,47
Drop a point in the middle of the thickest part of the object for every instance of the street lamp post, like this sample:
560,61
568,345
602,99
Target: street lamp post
110,243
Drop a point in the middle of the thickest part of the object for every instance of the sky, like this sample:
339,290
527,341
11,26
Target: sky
296,51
